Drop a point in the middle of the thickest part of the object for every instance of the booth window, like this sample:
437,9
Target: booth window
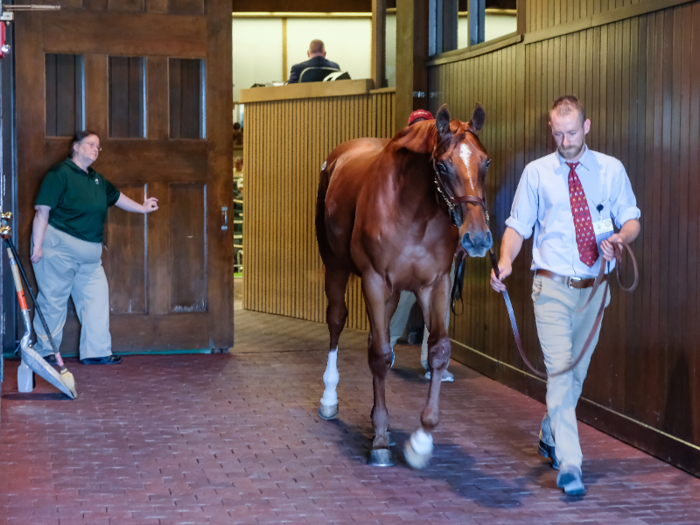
187,99
65,94
452,27
127,97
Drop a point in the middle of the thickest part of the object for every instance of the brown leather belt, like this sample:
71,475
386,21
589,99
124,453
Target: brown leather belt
571,282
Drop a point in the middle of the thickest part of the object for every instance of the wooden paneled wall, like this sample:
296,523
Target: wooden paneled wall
638,81
543,14
285,144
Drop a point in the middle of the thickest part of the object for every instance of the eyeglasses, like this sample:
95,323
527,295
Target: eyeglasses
93,145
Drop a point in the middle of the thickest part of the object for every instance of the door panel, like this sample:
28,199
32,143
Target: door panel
124,256
188,291
170,273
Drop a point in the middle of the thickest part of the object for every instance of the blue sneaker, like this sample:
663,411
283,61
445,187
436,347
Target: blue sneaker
547,451
571,480
447,376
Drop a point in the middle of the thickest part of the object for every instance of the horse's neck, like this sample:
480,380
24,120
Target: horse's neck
414,187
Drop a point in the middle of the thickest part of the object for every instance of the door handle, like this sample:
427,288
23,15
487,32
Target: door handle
224,211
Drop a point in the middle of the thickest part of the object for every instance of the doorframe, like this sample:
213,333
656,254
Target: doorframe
8,195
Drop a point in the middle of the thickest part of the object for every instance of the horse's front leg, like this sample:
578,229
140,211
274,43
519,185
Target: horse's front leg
419,448
379,357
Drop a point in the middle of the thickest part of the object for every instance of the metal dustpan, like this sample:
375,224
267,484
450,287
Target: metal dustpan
62,380
39,366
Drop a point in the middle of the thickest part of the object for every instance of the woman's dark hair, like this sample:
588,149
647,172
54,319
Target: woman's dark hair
80,135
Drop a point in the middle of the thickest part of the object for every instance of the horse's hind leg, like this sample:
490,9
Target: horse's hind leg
419,448
336,314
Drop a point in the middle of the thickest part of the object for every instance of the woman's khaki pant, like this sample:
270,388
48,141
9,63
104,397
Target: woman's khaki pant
72,267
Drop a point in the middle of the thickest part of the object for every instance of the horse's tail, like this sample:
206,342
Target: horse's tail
324,247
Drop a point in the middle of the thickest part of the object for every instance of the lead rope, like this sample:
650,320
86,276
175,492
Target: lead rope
599,317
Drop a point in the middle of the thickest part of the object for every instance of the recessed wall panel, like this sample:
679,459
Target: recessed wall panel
187,98
127,100
188,248
124,256
65,94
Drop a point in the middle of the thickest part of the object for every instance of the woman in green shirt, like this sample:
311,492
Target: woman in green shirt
67,236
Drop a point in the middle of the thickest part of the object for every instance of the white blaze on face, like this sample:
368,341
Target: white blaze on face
465,154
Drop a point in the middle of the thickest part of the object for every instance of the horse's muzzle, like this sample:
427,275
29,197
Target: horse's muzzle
477,244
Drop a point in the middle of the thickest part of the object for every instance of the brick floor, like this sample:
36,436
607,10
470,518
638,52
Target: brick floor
223,439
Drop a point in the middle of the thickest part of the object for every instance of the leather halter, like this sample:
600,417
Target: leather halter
451,201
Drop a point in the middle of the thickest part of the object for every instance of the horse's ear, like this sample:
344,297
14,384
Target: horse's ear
478,118
442,122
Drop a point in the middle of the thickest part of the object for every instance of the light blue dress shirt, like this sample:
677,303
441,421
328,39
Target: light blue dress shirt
542,201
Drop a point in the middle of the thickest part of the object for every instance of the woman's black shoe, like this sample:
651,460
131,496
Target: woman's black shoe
106,360
51,359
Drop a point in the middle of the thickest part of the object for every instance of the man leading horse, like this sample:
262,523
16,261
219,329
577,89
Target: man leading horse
571,198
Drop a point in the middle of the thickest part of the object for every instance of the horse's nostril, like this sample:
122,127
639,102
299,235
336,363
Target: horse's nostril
480,239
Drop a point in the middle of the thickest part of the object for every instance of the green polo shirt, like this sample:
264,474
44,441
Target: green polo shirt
78,200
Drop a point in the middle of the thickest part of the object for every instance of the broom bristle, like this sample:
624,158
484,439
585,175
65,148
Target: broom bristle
69,381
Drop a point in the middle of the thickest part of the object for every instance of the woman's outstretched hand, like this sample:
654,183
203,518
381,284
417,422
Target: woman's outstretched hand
150,204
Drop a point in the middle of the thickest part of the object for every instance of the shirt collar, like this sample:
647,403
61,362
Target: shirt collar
585,161
90,172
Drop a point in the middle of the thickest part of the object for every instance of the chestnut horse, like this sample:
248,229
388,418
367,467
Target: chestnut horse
393,212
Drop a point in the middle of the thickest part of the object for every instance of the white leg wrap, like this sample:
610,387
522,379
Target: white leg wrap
421,442
330,379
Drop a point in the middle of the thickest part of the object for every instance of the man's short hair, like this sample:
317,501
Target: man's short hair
566,105
316,46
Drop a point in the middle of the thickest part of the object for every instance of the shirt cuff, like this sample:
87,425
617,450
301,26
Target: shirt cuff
523,229
627,215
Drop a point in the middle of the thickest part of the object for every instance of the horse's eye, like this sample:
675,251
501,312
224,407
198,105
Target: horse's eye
441,168
488,163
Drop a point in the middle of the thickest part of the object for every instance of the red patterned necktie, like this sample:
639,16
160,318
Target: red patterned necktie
585,236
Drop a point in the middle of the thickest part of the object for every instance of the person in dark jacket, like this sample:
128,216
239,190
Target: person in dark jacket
317,58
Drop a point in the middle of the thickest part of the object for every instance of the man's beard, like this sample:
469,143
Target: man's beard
571,152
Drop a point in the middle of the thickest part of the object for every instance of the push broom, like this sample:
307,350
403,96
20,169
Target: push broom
64,380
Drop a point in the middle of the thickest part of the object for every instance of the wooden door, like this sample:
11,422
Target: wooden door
153,79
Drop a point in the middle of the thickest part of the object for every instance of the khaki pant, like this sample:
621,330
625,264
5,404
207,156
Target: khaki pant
562,333
72,267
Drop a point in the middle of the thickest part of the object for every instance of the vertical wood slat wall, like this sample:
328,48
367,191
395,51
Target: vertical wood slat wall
638,81
284,272
544,14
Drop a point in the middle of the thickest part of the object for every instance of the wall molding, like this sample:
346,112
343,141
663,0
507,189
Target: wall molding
644,437
601,19
340,88
466,53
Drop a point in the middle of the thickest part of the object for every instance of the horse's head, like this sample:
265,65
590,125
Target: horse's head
460,163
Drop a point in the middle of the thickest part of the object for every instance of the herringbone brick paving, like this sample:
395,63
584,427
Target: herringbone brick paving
223,439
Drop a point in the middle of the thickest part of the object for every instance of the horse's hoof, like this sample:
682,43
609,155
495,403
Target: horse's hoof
381,457
413,458
328,412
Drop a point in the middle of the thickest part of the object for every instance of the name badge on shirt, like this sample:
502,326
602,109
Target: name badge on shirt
604,226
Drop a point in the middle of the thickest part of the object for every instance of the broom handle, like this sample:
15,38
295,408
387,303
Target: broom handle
9,243
20,297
